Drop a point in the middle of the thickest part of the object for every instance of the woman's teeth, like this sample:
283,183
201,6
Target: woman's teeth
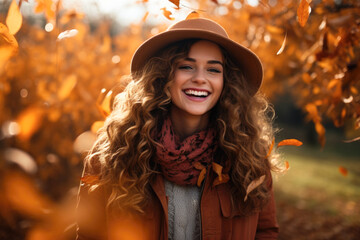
197,93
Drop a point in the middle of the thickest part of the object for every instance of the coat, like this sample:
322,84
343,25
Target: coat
218,220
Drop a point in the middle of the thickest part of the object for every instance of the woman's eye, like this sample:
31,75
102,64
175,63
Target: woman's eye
214,70
185,67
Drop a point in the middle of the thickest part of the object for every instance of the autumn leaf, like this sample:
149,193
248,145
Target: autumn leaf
104,102
303,12
67,86
29,121
282,45
175,2
271,147
254,184
215,1
8,37
96,126
167,14
290,142
343,171
287,165
201,177
46,6
14,18
90,179
193,15
67,34
319,128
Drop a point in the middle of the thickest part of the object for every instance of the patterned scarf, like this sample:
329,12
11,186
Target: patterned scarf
178,159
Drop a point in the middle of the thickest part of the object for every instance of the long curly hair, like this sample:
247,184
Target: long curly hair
123,154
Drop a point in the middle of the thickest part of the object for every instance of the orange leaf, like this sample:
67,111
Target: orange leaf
193,15
8,37
215,1
90,179
167,14
67,86
218,169
96,126
290,142
303,12
282,46
271,147
14,18
201,177
176,2
225,178
29,121
254,184
198,166
287,165
104,102
343,171
321,132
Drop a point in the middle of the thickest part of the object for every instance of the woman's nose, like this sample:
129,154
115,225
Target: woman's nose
199,76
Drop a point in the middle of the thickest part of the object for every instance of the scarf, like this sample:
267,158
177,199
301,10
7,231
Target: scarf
179,160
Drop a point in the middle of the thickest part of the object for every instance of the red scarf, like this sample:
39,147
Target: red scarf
177,159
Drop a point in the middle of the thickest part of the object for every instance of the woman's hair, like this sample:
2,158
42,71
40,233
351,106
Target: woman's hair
122,156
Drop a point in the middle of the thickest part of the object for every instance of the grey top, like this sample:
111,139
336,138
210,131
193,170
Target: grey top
183,211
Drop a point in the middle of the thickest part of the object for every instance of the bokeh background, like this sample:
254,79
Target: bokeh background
62,62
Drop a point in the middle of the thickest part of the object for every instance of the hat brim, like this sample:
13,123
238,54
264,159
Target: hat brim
248,62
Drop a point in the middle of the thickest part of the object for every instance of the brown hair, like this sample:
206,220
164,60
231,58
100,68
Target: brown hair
122,155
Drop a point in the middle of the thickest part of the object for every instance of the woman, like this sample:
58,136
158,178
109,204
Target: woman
185,140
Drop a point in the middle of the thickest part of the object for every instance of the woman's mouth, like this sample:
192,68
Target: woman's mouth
196,93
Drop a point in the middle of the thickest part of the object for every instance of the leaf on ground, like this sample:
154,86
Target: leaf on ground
14,18
254,184
193,15
167,14
303,12
343,171
290,142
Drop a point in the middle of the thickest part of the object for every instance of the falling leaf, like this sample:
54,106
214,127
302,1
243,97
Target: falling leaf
8,37
67,86
352,140
145,16
215,1
14,18
254,184
167,14
29,121
104,102
175,2
303,12
319,128
290,142
271,147
287,165
96,126
193,15
282,45
343,171
90,179
67,34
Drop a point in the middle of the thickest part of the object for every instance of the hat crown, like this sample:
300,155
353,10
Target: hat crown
199,24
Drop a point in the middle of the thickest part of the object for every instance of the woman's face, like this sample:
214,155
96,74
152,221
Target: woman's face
198,79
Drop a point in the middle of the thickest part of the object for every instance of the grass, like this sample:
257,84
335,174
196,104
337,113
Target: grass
314,182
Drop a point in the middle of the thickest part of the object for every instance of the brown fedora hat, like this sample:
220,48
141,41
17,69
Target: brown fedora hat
206,29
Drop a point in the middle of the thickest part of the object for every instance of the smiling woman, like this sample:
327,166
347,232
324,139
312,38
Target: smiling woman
187,139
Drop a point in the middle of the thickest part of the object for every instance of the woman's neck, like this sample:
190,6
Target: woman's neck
185,125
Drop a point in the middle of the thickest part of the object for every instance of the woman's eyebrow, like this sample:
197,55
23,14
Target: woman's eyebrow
210,61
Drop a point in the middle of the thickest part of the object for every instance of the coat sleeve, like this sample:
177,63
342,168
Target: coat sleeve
90,211
267,224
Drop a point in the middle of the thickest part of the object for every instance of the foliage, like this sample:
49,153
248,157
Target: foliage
57,82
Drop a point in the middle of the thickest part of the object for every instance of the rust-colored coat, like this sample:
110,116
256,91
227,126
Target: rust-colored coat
218,220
